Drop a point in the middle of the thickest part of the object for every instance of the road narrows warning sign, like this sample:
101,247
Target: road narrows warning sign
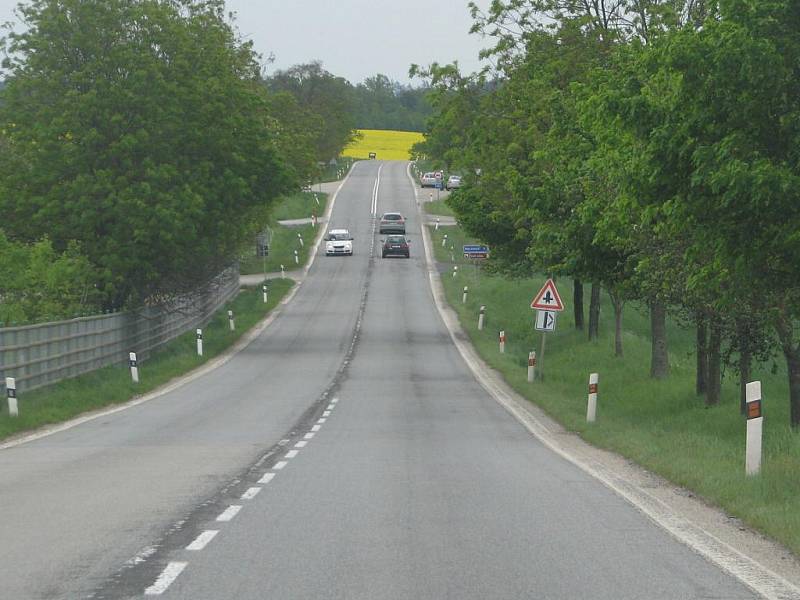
548,298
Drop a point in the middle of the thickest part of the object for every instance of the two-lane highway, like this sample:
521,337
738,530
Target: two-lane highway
347,453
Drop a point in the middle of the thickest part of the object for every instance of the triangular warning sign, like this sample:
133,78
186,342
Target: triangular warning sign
548,298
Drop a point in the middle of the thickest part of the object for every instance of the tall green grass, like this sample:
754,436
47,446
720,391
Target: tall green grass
112,385
662,425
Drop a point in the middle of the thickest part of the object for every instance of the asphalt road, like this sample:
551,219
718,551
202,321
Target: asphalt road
365,459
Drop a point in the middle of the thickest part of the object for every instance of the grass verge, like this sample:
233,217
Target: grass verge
438,207
284,239
662,425
112,385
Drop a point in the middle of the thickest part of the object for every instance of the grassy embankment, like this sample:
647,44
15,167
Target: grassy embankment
387,145
661,425
112,385
284,239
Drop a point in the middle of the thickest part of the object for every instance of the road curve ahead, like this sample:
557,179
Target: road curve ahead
347,453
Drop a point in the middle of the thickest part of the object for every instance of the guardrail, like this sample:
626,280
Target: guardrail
41,354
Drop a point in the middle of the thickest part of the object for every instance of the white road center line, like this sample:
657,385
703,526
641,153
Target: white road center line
266,478
251,493
301,444
229,512
279,465
321,420
291,454
168,575
308,436
316,428
201,541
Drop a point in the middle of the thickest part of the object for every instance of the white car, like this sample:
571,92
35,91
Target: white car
338,241
453,182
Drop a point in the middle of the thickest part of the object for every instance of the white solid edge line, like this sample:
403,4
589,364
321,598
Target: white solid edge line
291,454
301,444
213,364
202,540
251,493
280,464
267,478
229,513
750,572
165,579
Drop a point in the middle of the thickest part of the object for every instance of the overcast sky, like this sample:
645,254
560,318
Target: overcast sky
354,38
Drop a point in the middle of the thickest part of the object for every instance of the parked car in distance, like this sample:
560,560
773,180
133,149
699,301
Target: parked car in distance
453,182
392,223
429,180
395,245
338,241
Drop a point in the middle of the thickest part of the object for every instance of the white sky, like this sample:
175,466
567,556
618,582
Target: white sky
354,38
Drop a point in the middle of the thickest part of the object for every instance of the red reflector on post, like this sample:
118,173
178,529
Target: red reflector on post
754,409
592,388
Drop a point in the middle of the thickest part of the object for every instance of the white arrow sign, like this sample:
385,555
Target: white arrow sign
545,320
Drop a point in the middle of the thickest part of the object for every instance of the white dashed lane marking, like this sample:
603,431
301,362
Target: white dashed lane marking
327,413
229,513
321,420
291,453
168,575
308,436
251,493
316,427
202,540
301,444
279,465
266,478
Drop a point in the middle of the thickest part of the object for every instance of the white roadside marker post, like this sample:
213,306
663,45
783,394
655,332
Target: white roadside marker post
531,366
199,342
437,224
481,316
300,239
316,198
296,258
502,342
230,320
313,220
455,270
430,196
444,240
134,365
755,426
264,290
464,296
283,272
591,407
11,392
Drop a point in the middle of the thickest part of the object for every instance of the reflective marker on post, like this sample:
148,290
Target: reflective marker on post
464,297
481,315
11,391
531,366
134,365
199,342
755,425
230,320
502,342
591,408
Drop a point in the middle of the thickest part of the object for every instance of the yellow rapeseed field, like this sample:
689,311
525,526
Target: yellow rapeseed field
387,145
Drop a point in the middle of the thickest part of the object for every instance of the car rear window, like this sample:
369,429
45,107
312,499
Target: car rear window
392,217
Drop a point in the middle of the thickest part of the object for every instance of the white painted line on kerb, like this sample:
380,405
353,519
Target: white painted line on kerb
266,478
168,575
291,454
201,541
229,513
322,420
280,464
316,428
251,493
308,436
301,444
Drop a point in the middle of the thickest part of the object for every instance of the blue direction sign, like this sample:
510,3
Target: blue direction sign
476,251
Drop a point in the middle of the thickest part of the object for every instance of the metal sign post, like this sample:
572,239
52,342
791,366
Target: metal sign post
547,304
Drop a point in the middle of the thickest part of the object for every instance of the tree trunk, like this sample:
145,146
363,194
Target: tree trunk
701,380
594,312
577,302
792,354
618,304
714,389
659,355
